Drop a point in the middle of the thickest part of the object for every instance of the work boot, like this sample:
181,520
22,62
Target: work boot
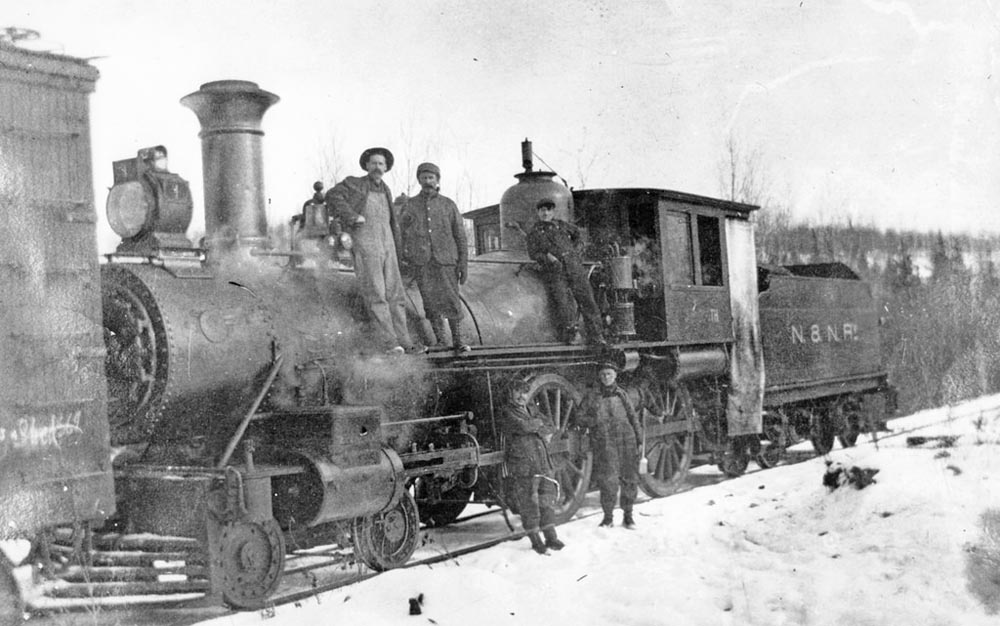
536,542
627,521
457,342
551,540
607,521
437,325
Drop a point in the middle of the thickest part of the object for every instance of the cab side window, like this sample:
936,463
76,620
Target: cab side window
710,250
679,259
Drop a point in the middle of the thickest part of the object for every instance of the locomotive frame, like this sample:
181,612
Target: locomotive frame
243,417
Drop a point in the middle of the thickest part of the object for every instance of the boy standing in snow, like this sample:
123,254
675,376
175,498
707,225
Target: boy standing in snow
615,433
530,468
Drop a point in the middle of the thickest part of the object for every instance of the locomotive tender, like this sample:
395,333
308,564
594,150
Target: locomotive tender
241,402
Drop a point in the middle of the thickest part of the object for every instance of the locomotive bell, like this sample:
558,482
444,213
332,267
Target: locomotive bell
517,205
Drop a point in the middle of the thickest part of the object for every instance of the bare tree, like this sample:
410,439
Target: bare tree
744,178
329,158
416,145
742,175
585,157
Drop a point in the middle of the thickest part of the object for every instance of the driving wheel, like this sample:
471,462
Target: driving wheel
558,400
669,424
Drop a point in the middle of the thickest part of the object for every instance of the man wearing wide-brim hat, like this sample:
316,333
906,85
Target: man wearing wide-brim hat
363,205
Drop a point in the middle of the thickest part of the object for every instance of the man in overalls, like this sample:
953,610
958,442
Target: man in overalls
363,204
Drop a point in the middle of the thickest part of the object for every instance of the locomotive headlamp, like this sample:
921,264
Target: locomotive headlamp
149,207
130,208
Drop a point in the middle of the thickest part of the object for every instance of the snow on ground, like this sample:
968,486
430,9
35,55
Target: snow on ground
920,546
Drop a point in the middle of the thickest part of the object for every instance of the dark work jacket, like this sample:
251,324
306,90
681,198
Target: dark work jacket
558,238
611,439
346,201
527,453
432,229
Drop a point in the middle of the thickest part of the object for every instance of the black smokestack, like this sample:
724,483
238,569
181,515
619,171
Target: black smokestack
230,112
526,160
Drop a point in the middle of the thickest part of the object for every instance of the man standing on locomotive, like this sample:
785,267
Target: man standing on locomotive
552,244
615,431
435,250
363,205
535,487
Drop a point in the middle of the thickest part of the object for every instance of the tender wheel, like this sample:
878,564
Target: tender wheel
774,451
387,539
668,454
439,507
11,602
735,461
559,400
251,557
822,431
853,420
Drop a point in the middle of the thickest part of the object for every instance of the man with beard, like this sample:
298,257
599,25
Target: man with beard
363,205
435,251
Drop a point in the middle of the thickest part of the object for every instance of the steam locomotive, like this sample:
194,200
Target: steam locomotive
220,399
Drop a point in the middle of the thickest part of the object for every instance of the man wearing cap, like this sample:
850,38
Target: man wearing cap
615,433
435,250
552,243
363,205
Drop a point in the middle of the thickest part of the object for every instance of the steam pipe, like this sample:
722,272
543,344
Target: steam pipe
230,113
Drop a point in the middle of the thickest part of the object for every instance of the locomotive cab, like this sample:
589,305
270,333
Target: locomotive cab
677,250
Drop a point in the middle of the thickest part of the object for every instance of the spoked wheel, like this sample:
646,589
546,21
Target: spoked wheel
558,400
669,423
439,507
387,539
822,431
772,453
11,602
853,421
251,557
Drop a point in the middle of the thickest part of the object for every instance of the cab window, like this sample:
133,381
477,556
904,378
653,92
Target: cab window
710,250
679,261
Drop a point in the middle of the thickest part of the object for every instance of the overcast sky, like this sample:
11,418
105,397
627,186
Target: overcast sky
887,112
